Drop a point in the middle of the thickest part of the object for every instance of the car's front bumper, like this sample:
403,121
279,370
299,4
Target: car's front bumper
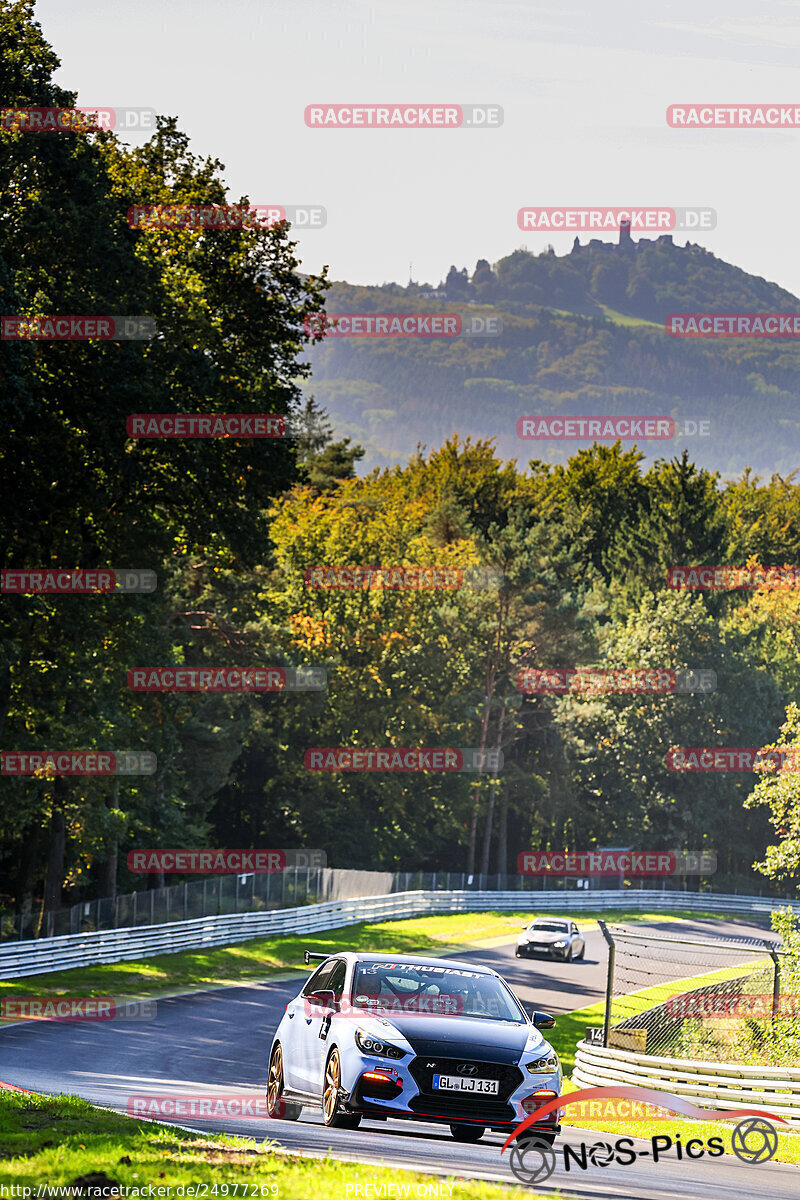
525,950
414,1099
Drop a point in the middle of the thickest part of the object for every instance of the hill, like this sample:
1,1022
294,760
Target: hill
582,334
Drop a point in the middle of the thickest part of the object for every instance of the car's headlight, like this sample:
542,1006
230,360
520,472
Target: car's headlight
560,944
538,1065
372,1045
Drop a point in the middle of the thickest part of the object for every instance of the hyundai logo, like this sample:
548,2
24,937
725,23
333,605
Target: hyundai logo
466,1068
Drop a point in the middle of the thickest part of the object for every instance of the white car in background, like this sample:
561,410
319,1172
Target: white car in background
556,937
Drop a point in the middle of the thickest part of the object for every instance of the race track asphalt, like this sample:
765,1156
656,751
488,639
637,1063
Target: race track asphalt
216,1042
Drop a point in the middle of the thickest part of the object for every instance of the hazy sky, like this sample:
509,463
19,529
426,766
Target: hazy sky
584,85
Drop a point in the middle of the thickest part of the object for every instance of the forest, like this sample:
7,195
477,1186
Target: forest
560,564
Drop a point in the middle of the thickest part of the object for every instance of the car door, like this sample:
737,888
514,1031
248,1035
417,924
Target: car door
577,939
295,1029
319,1028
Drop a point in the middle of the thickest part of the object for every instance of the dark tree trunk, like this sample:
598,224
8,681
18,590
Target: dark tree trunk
107,876
5,696
54,876
502,835
487,833
476,795
107,870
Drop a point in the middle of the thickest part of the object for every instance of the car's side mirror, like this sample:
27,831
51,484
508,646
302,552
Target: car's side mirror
543,1020
523,926
324,999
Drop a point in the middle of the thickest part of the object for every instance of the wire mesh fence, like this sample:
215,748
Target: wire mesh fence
721,998
254,892
215,896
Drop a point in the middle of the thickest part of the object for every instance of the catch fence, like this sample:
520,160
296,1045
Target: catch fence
733,997
248,892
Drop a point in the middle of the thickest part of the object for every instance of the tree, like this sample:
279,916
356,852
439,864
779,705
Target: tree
457,284
619,743
229,310
778,790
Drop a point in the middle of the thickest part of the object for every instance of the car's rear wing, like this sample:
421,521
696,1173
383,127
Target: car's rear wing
308,955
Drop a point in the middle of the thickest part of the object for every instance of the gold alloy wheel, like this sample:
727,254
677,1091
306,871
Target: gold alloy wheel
275,1081
330,1094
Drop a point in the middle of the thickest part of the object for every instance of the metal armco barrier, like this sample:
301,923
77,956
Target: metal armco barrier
711,1084
35,957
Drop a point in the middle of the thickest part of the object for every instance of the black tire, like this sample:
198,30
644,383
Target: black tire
278,1108
468,1133
530,1136
332,1114
583,951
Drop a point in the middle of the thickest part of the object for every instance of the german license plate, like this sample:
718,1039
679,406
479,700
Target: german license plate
458,1083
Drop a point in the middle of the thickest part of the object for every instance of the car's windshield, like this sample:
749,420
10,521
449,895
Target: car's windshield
549,926
389,987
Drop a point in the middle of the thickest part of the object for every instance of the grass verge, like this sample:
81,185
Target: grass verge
57,1140
259,958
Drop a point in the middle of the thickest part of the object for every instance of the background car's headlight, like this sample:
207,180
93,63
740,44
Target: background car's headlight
543,1064
372,1045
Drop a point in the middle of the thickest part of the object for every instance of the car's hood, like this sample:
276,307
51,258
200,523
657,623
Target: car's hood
544,935
454,1037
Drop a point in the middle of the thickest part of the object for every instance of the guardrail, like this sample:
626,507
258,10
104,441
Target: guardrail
18,959
719,1085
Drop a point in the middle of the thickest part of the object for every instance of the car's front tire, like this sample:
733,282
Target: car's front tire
468,1133
278,1108
332,1114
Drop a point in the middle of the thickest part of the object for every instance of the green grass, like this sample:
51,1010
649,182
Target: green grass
610,314
55,1140
260,958
622,319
